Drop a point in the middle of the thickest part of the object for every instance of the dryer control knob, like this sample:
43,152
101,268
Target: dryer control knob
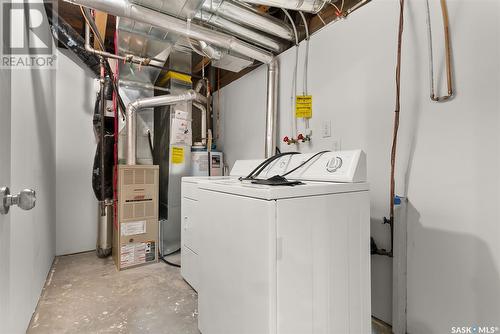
334,164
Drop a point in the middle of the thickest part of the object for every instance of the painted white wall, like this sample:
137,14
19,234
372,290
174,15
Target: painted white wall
76,208
449,154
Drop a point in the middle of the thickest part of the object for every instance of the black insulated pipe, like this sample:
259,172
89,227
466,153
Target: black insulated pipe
66,35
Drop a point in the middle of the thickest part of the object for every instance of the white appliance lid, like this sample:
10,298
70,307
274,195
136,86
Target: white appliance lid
266,192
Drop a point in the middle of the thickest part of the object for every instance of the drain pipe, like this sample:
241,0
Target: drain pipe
149,102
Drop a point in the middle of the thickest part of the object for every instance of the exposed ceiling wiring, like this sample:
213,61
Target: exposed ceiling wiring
340,10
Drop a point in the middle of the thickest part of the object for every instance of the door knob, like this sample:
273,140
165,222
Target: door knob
25,200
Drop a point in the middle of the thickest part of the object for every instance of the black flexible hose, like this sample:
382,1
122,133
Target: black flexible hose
150,143
170,263
264,164
305,162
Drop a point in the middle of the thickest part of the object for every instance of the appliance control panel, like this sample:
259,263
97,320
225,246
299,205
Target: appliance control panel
339,166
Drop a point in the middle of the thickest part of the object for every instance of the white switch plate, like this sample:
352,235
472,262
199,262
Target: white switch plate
326,129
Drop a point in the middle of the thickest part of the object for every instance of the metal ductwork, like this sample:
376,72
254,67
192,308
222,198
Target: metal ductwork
310,6
247,16
177,26
124,8
150,102
240,31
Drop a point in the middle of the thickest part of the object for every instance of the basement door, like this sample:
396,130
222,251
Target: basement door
4,180
27,161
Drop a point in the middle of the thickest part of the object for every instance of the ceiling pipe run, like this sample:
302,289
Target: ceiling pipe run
245,15
310,6
150,102
240,31
125,9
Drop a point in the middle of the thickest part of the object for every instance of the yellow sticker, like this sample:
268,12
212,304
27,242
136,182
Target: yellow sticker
303,106
177,155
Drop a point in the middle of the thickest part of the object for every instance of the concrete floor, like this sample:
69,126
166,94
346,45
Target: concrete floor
85,294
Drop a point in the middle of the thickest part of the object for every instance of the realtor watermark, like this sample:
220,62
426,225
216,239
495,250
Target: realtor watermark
26,36
475,330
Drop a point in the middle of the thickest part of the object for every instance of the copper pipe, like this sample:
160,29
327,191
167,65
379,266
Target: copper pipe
449,73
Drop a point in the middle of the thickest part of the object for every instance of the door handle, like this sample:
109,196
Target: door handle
25,200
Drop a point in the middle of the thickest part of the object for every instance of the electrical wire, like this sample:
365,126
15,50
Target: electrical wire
294,82
306,64
321,19
305,163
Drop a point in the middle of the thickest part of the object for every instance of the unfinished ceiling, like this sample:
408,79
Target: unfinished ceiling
274,33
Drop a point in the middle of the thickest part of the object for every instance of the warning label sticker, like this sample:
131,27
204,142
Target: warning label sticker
303,106
177,155
132,254
137,253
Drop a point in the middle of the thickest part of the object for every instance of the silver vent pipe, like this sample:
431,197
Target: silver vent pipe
245,15
271,107
125,9
240,31
310,6
150,102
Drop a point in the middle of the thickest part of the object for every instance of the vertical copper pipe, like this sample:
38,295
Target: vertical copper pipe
446,24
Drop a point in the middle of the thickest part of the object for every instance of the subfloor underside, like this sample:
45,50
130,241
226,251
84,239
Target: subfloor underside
85,294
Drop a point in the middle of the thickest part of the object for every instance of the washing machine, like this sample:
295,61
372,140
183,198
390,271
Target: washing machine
287,259
192,218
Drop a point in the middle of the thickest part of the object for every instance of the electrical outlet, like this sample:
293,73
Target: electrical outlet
337,145
326,129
